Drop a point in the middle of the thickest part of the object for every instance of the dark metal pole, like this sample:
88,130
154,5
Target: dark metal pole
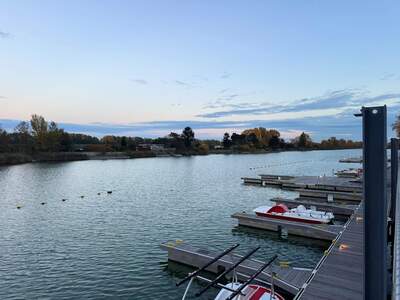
394,167
375,202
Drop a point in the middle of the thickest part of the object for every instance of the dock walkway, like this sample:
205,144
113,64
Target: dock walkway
328,183
288,279
339,274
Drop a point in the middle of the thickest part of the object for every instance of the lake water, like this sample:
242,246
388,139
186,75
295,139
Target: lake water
107,246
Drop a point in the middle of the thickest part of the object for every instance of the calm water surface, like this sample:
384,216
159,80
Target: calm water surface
107,246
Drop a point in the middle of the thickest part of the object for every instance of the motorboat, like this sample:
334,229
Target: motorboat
299,214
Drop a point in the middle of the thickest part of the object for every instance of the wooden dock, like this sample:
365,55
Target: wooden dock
288,279
345,210
339,274
329,183
351,160
330,196
313,231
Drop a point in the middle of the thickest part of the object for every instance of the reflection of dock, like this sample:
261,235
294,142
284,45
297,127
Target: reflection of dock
313,231
287,278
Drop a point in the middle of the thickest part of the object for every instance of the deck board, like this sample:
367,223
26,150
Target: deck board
340,276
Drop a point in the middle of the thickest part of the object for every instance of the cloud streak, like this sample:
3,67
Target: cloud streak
340,99
4,34
140,81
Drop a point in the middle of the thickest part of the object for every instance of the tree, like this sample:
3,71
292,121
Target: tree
39,131
274,142
226,141
188,136
304,140
396,126
24,137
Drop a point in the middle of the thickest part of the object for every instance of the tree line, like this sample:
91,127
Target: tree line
270,139
39,135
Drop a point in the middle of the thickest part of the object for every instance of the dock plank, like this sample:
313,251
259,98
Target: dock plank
340,274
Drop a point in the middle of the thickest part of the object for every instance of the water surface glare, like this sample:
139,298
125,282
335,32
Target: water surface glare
107,246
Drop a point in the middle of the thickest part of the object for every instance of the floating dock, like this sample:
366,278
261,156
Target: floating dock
330,196
313,231
288,279
351,160
329,183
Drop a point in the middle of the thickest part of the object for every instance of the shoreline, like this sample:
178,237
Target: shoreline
10,159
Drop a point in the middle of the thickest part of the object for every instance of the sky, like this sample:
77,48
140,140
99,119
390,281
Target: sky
145,68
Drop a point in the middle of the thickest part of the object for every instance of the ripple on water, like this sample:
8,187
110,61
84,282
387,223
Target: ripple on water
107,246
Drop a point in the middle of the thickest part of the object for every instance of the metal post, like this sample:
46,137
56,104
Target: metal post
394,166
375,212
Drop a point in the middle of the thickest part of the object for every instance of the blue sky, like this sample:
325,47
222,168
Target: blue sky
149,67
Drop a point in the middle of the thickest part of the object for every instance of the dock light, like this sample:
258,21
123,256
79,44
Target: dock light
359,219
343,247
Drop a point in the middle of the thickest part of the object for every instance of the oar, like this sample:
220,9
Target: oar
207,264
226,271
239,290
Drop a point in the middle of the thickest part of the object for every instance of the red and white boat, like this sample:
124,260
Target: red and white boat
298,214
250,292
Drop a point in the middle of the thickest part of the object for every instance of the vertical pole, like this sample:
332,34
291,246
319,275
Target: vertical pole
375,212
394,166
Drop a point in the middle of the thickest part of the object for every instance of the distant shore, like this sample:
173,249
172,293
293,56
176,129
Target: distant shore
8,159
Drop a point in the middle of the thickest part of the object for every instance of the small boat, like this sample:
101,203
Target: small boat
250,292
298,214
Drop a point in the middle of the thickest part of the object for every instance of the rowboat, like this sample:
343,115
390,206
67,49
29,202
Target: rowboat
299,214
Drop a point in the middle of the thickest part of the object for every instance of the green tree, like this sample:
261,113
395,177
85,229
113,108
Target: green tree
188,136
226,141
304,140
24,137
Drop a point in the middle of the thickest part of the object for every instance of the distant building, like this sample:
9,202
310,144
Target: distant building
150,147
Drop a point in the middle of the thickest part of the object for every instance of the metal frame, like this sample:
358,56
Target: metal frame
375,201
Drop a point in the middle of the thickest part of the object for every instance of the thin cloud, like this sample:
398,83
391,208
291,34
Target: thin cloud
179,82
4,34
340,99
140,81
225,75
388,76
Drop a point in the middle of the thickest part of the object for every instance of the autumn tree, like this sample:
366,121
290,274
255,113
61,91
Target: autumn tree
39,131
